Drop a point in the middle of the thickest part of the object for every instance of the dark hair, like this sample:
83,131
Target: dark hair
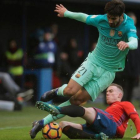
115,8
118,86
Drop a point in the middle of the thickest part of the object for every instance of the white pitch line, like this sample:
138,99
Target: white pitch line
4,128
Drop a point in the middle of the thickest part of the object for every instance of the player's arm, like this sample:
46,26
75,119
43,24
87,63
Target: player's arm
131,44
63,12
135,118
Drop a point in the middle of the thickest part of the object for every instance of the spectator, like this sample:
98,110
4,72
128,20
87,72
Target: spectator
14,57
45,53
13,92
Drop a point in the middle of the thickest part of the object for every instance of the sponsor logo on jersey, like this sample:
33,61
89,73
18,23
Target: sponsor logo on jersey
77,75
102,28
110,41
112,32
120,33
133,30
94,16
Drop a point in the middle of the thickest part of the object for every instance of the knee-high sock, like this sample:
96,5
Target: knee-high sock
51,118
60,90
74,133
72,110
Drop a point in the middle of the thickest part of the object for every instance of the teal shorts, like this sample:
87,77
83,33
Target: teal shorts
93,78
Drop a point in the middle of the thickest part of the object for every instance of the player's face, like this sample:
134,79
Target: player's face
112,94
114,21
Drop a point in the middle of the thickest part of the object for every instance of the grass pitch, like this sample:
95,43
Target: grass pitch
16,125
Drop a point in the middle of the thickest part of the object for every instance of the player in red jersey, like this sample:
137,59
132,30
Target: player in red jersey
112,122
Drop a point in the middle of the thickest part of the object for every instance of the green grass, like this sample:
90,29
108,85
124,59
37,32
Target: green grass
16,125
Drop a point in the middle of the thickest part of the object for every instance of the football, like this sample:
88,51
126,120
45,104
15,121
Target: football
52,131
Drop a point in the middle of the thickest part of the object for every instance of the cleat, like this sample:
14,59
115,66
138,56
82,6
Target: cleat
36,127
54,110
101,136
49,95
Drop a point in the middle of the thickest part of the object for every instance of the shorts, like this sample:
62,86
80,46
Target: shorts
93,78
103,122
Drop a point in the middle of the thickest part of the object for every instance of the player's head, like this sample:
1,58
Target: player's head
48,35
114,93
115,10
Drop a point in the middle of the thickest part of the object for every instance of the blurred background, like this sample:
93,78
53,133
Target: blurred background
39,51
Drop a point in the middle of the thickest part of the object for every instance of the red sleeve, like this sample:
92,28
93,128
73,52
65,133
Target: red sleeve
129,108
135,118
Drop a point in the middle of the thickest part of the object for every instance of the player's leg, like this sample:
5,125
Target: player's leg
74,131
79,98
83,97
41,123
73,111
81,76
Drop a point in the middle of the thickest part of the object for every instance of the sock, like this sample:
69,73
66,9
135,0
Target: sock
56,91
60,90
51,118
74,133
72,110
41,122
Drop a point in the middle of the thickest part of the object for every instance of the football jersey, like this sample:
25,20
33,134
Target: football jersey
106,53
121,112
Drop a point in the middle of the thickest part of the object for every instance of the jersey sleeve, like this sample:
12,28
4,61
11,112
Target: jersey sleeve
129,108
93,20
135,118
131,30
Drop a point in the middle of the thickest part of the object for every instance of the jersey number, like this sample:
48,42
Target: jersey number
83,70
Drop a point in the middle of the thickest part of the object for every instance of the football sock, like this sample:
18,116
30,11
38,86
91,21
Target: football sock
41,122
51,118
72,110
60,90
74,133
56,91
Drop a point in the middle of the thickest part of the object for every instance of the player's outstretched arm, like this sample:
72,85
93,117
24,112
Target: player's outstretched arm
63,12
136,136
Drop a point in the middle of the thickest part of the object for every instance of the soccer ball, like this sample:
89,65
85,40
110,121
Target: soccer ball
52,131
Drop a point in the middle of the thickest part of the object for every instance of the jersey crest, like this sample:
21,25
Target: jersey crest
94,16
120,33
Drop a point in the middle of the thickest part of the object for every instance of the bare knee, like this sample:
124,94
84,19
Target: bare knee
90,115
62,124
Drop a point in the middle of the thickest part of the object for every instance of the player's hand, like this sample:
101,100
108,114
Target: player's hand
136,137
60,9
122,45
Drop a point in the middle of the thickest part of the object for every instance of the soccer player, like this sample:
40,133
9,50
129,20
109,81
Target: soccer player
112,122
117,35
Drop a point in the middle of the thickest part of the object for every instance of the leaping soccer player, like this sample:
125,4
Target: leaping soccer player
117,35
